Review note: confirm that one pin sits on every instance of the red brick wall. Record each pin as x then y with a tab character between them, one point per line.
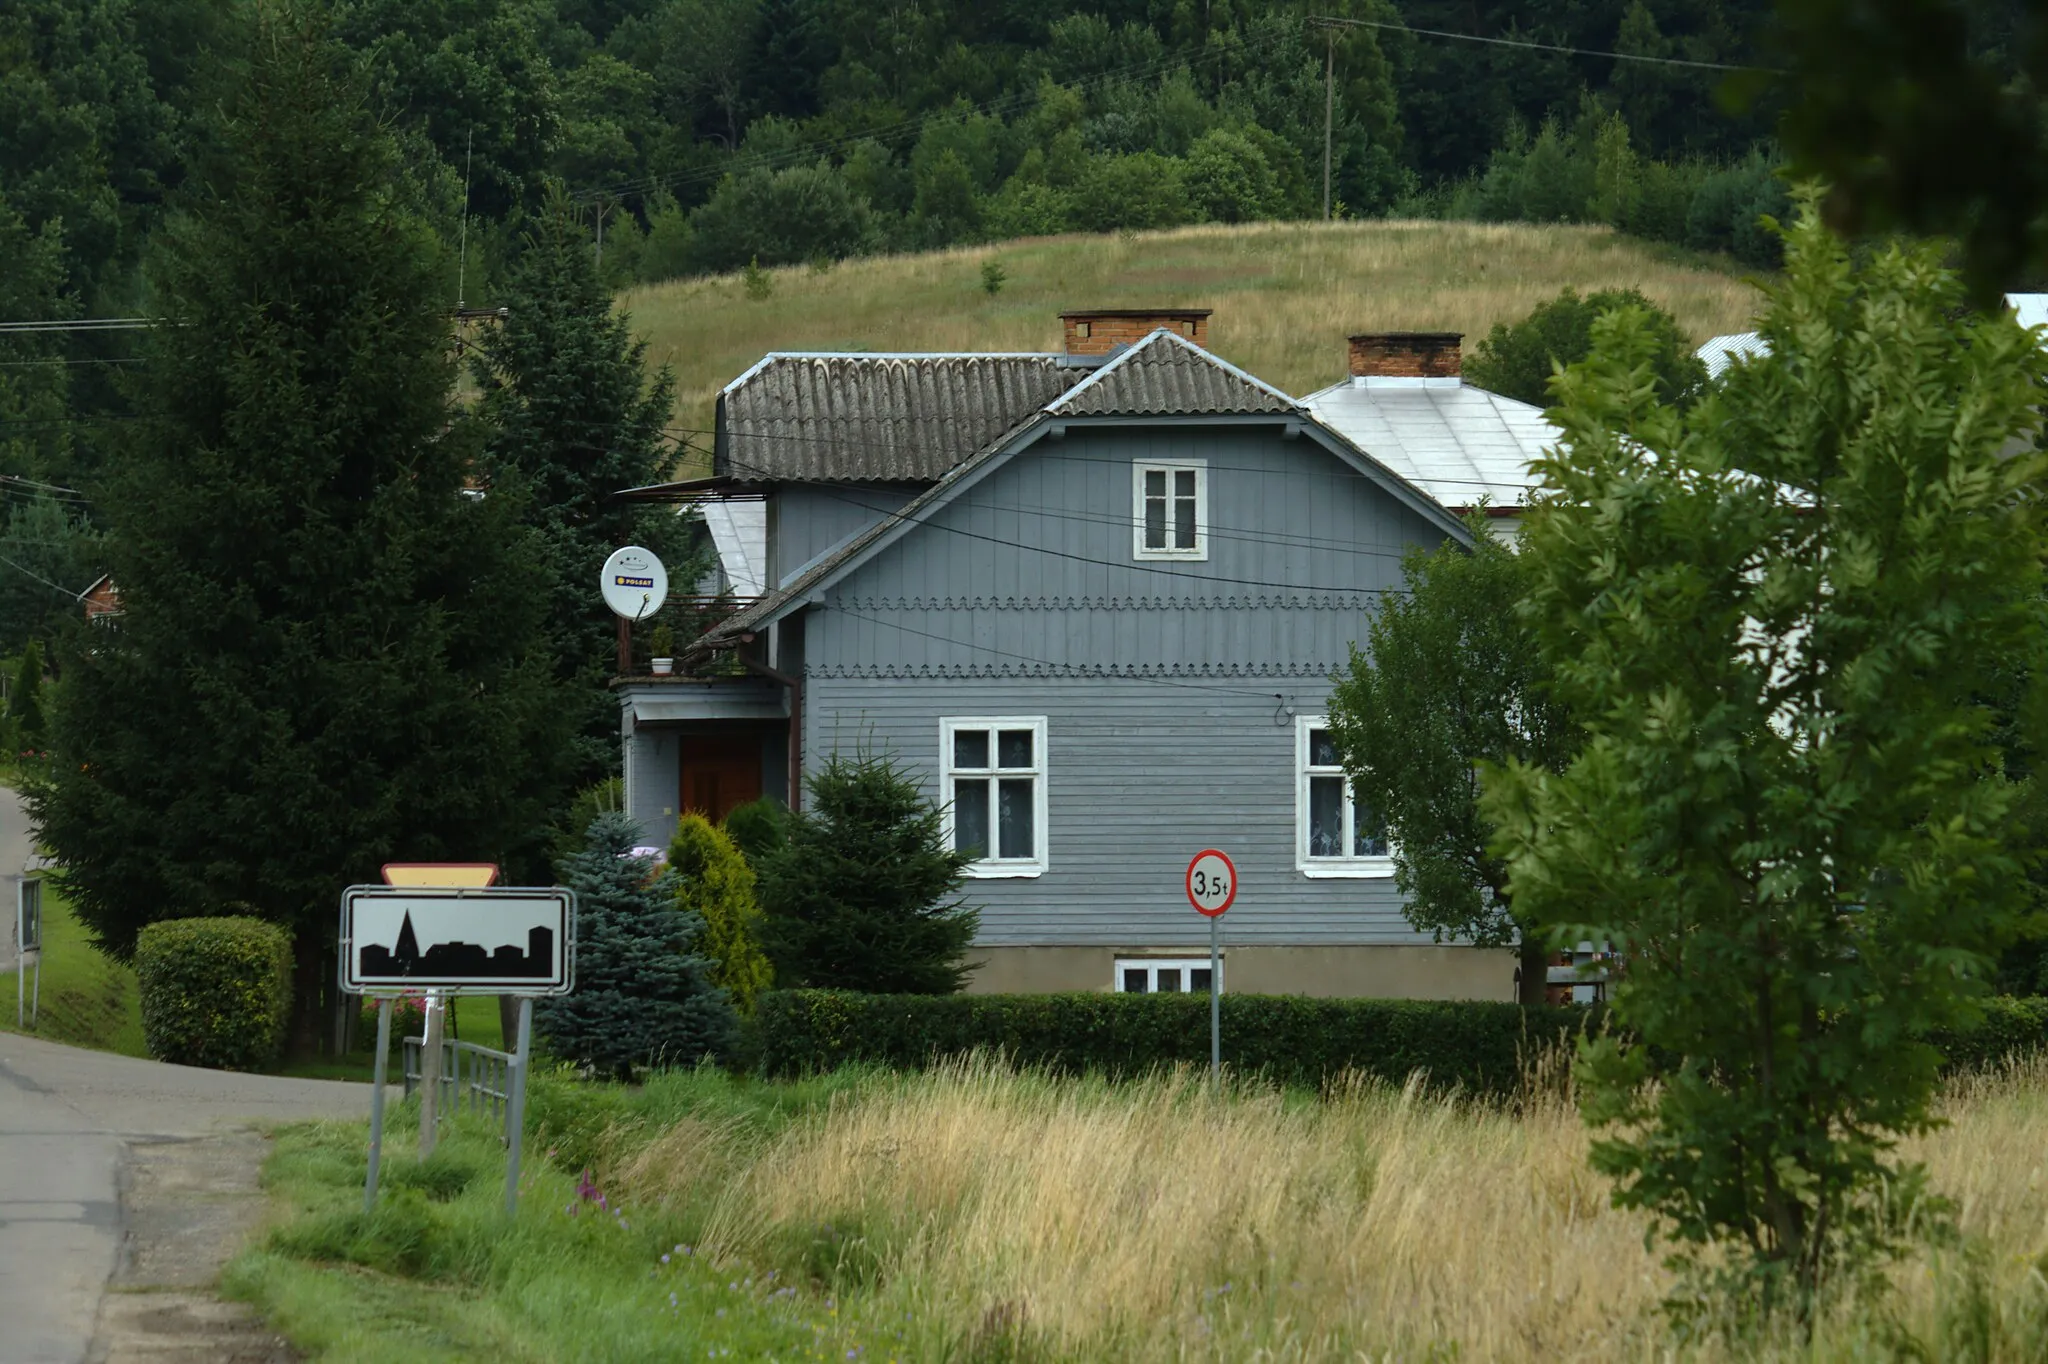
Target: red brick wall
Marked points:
1411	355
1100	333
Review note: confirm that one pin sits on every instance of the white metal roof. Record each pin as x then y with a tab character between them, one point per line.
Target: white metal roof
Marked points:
1719	352
1455	442
2032	308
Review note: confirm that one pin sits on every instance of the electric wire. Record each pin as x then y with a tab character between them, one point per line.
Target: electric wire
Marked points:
1048	663
1333	21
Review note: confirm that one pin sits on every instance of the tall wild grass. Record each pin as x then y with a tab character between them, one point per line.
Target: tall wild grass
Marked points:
1004	1215
1285	295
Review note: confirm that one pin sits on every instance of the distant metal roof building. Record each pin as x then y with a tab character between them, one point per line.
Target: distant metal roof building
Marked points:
2032	309
854	418
1719	352
1457	443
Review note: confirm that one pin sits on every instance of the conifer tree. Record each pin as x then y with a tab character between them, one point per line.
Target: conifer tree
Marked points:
714	881
643	997
575	417
325	657
861	896
25	699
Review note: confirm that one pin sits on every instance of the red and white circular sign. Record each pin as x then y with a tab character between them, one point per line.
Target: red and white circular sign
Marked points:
1212	882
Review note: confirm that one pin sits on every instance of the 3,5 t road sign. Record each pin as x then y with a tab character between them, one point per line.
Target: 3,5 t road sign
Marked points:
1212	882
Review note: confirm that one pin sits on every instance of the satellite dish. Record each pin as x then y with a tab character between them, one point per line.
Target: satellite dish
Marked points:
634	583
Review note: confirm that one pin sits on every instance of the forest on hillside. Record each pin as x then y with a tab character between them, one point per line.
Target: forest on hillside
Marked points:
706	134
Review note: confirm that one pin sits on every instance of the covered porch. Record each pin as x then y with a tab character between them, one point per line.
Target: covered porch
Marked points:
706	744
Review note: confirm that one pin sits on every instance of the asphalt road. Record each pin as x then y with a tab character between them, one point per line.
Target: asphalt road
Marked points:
68	1118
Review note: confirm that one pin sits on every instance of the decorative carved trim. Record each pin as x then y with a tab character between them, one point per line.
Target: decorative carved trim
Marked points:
1104	671
1319	601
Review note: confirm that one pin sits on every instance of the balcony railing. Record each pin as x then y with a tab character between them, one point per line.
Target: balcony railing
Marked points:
688	618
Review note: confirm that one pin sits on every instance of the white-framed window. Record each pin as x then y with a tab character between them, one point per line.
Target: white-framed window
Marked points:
1170	509
1335	833
994	792
1162	975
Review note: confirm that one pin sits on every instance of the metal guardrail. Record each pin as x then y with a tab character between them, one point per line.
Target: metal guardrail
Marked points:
469	1072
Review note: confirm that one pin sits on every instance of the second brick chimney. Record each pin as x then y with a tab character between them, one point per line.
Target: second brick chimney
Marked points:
1098	331
1407	355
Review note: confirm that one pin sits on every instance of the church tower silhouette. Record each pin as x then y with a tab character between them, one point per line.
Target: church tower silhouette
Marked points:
408	949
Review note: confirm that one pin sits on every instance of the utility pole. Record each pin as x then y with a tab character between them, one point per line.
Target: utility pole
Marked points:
1329	107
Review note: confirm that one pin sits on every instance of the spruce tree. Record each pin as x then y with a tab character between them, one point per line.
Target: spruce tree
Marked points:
861	896
574	417
326	656
643	996
25	698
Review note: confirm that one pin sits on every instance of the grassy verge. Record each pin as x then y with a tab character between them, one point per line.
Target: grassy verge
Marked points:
88	998
973	1214
91	1000
439	1273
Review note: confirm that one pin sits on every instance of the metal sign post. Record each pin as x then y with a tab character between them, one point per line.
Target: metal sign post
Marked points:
1212	886
28	945
456	940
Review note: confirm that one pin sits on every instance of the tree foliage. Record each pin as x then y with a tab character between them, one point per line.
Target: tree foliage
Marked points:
714	882
1451	677
1775	615
862	894
573	415
1517	361
328	658
644	994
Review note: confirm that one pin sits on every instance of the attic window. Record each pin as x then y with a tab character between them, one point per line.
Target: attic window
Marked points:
1170	509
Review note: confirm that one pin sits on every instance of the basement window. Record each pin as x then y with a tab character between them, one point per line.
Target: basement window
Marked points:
1170	509
1162	975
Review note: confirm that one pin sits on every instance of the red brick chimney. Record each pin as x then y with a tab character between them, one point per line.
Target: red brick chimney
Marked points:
1406	355
1098	331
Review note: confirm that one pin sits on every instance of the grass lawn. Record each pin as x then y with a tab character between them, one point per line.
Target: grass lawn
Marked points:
974	1214
88	999
1285	295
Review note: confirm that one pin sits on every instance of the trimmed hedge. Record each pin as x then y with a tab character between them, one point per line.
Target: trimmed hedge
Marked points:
1474	1045
215	992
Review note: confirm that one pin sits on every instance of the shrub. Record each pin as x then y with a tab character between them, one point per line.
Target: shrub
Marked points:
1228	179
1478	1046
644	997
1516	361
781	217
714	881
1130	193
861	896
1475	1045
758	828
215	992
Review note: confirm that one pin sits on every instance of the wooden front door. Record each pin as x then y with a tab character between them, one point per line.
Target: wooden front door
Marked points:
719	771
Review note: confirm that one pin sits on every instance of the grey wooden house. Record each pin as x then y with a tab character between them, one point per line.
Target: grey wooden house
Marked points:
1093	598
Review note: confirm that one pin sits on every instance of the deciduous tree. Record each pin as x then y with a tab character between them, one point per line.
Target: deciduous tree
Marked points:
1451	678
1777	615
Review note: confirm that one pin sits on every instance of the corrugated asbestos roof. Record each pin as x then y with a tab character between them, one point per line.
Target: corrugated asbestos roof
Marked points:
1455	442
1168	375
876	418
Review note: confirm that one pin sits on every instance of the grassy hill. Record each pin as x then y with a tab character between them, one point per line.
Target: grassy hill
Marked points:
1285	294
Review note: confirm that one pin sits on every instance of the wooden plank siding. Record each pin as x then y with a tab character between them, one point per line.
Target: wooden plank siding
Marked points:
1169	687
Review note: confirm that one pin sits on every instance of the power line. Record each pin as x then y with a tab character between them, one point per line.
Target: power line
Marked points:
1180	574
22	364
75	596
1048	663
1334	21
86	324
1079	459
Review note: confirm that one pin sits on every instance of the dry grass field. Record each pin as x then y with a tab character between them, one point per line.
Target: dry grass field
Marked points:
1285	295
1005	1216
